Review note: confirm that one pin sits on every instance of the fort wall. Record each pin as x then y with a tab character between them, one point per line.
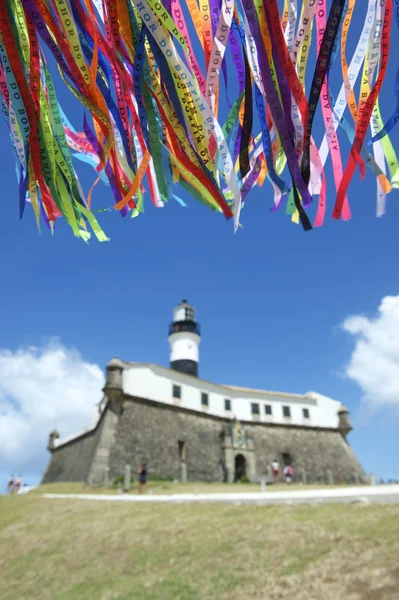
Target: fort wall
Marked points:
137	430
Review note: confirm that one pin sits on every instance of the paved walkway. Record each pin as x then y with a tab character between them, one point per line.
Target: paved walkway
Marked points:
365	494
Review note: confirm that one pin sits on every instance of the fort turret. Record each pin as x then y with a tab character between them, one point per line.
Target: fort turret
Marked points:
344	423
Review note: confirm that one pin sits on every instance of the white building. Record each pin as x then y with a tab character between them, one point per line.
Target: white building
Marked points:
185	426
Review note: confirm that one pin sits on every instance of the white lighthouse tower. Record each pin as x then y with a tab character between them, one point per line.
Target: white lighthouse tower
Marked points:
184	339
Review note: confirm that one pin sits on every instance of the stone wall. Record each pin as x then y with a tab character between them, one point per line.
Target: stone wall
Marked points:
149	432
145	431
72	461
105	444
313	450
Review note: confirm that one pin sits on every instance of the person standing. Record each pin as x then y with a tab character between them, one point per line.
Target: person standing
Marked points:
18	482
276	469
288	472
11	484
142	478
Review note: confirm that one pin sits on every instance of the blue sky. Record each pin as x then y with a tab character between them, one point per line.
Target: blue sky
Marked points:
270	298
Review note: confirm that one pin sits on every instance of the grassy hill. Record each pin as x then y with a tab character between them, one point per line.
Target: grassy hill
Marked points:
72	550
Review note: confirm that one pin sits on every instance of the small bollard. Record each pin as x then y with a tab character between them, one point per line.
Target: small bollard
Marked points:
303	476
119	490
106	477
330	477
183	472
150	491
196	491
372	479
262	486
127	478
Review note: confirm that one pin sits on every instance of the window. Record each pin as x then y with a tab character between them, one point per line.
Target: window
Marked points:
286	411
190	314
204	399
255	408
268	409
176	391
227	404
306	413
182	450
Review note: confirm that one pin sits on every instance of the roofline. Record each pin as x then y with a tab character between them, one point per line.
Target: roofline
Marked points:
72	438
237	388
227	388
84	432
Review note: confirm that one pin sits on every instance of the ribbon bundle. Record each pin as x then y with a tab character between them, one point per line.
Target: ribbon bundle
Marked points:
158	78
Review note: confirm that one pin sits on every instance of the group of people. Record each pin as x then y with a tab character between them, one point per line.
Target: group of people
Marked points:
14	484
287	471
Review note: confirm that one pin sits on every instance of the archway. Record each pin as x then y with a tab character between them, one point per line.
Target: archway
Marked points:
287	460
240	467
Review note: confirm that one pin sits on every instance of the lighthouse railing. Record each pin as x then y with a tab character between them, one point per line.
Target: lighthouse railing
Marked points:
179	326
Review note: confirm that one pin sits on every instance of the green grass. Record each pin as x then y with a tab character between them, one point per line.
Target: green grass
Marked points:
75	550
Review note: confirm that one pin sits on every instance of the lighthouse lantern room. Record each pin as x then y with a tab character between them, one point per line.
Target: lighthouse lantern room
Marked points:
184	339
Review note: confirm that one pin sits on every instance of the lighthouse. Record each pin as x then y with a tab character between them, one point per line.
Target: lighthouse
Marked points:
184	339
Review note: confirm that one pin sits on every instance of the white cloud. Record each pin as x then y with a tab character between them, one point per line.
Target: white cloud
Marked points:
42	389
374	364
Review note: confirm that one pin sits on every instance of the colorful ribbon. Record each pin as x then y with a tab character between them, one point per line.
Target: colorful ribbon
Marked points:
216	96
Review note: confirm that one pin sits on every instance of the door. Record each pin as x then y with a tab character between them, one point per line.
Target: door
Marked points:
240	467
